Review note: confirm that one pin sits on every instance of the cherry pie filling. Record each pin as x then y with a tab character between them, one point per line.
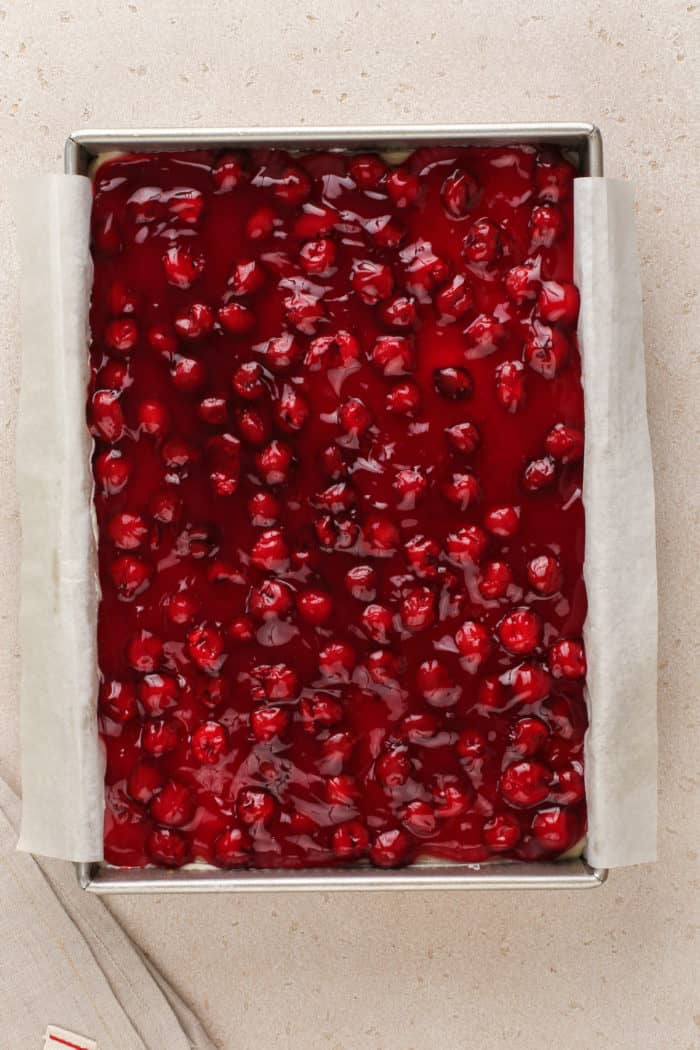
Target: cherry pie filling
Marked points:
338	428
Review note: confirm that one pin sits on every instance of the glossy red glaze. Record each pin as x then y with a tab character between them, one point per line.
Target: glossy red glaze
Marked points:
314	514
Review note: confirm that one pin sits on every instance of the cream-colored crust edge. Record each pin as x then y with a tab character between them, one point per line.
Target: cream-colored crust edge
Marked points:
393	157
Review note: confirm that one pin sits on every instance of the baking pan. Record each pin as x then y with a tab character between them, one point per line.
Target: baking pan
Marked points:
583	144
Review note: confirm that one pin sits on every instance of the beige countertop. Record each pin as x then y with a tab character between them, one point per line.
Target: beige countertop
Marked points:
616	967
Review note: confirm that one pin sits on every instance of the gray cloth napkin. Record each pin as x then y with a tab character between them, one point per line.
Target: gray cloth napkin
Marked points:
64	960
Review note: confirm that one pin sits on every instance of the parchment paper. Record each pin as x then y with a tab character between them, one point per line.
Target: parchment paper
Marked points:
62	766
620	554
62	769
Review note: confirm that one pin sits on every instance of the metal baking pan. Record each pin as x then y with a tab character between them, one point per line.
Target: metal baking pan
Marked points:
583	144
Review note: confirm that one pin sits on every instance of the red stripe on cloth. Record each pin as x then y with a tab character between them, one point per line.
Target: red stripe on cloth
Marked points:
64	1042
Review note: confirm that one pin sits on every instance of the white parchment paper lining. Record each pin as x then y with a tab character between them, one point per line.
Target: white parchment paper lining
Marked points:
62	765
620	553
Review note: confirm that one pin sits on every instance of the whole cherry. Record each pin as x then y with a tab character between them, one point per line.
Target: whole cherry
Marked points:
232	848
554	829
144	651
144	781
160	736
567	659
205	646
255	806
544	574
269	722
174	805
393	767
564	443
495	579
529	735
558	303
167	848
526	783
482	243
419	818
389	848
209	742
350	840
473	641
501	832
458	192
520	631
118	700
502	521
158	694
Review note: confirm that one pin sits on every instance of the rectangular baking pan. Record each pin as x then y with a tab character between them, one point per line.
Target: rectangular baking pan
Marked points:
584	145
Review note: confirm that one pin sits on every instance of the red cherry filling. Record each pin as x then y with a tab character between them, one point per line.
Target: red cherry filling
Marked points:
144	782
121	336
107	416
209	743
158	694
269	722
502	521
547	225
567	659
118	701
539	474
521	283
473	641
495	579
360	582
232	848
555	829
530	683
160	737
510	385
205	646
544	574
546	351
520	631
402	186
314	606
367	170
144	651
471	744
529	736
554	177
564	443
452	798
389	848
463	437
338	462
569	788
419	818
393	768
483	242
372	281
167	848
558	303
182	266
173	805
453	383
111	471
525	784
350	840
502	832
458	193
255	806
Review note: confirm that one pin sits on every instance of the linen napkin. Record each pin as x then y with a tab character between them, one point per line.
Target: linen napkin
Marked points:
67	962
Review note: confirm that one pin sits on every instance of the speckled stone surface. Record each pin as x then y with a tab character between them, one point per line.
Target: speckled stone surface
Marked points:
614	967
